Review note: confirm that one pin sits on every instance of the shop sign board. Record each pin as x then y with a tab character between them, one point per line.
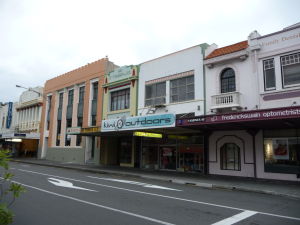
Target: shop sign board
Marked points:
90	130
147	134
9	115
138	122
119	74
281	113
73	130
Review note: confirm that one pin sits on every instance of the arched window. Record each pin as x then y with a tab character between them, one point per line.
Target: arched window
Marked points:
227	80
230	157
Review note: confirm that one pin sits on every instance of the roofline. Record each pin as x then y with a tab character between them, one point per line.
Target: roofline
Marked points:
278	32
199	45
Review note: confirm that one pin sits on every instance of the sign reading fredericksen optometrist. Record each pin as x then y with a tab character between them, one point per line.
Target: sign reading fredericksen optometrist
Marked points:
138	122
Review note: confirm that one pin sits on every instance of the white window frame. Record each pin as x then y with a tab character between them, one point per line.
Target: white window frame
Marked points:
296	60
267	66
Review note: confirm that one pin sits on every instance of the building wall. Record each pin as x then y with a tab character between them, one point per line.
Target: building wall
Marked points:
71	80
243	140
174	63
273	46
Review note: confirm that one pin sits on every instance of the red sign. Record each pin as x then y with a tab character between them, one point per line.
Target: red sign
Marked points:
289	112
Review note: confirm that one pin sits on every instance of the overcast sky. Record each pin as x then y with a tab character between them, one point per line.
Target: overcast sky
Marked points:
41	39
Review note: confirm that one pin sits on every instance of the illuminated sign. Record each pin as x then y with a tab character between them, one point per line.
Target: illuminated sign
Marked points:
180	137
146	134
90	130
138	122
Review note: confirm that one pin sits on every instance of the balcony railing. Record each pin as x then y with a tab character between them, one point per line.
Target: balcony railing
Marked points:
226	100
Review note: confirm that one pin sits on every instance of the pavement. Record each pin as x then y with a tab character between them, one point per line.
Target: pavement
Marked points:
272	187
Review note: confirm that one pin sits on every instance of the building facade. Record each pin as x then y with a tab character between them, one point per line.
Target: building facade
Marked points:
253	112
72	114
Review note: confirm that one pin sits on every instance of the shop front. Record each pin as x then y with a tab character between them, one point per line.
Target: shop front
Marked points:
259	143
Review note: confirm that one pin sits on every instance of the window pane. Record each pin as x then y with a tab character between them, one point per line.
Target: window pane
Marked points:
161	89
270	78
291	74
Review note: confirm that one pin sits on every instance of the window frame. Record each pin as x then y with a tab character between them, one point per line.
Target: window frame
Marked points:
118	96
227	78
282	71
155	97
265	78
179	86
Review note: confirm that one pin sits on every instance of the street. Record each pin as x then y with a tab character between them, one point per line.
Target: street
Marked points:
69	197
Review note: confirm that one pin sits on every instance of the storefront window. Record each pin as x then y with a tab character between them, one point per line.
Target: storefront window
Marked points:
282	154
126	151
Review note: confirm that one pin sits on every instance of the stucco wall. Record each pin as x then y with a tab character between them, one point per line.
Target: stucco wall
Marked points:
60	154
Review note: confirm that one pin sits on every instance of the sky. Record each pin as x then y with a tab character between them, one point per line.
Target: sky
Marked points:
41	39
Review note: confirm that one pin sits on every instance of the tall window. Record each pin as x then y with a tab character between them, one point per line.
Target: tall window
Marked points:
227	80
155	94
269	74
182	89
291	69
230	157
94	104
58	132
120	99
48	112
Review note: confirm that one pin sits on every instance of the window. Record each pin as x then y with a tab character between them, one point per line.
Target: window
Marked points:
269	74
182	89
230	157
68	137
94	104
120	99
58	132
48	112
291	69
70	97
81	94
227	81
155	94
282	151
95	90
61	98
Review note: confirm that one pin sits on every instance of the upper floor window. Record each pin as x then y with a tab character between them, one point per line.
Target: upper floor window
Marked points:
291	69
81	94
227	80
95	90
120	99
70	97
155	94
269	74
182	89
61	98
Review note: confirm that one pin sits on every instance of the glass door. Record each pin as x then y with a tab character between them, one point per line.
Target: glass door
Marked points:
167	157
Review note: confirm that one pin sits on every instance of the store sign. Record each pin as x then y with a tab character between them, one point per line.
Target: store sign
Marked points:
73	130
119	74
139	122
90	130
9	115
289	112
146	134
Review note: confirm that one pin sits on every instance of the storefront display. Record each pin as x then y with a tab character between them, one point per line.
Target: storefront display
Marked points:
282	151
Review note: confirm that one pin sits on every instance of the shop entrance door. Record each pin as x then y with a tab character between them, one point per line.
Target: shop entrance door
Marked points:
167	157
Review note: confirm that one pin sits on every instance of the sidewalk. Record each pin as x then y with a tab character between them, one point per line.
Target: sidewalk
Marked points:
273	187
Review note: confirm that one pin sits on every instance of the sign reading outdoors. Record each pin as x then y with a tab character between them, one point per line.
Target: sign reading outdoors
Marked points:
138	122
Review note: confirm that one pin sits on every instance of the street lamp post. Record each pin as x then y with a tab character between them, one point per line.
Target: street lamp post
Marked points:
29	89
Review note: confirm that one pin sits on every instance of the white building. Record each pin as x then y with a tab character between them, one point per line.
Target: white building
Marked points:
253	107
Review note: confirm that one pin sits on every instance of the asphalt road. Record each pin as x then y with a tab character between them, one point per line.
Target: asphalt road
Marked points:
68	197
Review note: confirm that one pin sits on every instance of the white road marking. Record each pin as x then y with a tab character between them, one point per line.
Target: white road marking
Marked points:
98	205
165	196
236	218
67	184
136	183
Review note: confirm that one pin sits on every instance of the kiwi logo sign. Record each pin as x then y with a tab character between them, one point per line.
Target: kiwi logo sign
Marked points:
139	122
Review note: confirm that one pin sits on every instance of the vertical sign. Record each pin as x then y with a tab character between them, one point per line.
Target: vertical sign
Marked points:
9	115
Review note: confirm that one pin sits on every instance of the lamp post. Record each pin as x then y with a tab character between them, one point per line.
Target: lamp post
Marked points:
29	89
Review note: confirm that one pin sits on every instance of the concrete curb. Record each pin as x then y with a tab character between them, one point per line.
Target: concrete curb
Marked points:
176	181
